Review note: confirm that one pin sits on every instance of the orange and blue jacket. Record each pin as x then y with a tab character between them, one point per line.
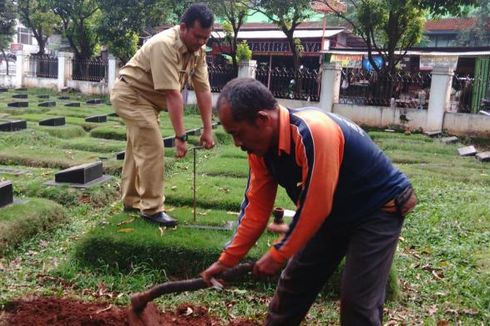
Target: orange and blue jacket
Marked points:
331	170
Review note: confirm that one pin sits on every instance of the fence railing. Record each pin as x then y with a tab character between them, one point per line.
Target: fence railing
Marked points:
408	90
44	66
220	75
93	70
303	84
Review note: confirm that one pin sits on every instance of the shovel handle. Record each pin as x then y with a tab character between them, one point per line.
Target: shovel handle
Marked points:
140	300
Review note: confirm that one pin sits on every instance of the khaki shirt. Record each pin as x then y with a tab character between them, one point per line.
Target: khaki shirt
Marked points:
164	63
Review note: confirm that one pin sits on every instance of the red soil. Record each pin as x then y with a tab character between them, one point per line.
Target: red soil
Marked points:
57	312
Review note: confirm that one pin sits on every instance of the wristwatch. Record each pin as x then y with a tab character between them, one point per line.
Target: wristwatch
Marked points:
182	138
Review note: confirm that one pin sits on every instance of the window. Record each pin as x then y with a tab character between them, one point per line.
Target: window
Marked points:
24	36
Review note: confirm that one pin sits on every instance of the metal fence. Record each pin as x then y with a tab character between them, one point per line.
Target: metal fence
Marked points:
403	89
219	75
94	70
44	66
303	84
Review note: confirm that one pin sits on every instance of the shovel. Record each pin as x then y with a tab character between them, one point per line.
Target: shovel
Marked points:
141	315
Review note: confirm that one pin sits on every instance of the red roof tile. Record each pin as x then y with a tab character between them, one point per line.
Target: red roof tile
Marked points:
449	24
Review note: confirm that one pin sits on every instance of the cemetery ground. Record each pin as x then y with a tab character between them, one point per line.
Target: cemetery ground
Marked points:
73	253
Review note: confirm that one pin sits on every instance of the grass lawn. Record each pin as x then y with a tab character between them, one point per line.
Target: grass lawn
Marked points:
442	262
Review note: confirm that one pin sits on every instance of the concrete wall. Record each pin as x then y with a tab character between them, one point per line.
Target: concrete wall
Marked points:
86	87
36	82
7	81
464	124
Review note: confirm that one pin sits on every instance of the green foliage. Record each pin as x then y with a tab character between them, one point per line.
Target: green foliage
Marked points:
79	21
122	22
21	221
38	16
441	7
479	34
7	24
243	52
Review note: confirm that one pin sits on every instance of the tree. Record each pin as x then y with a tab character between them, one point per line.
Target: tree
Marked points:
123	21
78	21
234	12
477	35
390	27
38	16
7	27
287	15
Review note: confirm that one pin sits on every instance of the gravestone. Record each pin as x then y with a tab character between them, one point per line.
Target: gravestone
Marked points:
432	133
169	142
112	114
80	174
43	96
63	97
12	171
96	118
18	104
467	151
53	122
20	96
120	155
3	90
94	101
48	104
6	193
13	125
73	104
483	156
449	140
21	89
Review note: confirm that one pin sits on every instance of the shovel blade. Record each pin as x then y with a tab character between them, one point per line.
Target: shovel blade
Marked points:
150	316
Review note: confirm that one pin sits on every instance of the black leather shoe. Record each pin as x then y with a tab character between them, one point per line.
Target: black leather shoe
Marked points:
160	218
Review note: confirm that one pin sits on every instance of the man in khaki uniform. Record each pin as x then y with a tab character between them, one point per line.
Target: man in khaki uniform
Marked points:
149	83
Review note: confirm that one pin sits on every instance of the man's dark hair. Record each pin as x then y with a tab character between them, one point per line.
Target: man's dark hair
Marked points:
199	12
246	97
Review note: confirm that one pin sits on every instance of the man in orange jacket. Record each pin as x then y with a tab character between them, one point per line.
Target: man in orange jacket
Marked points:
350	202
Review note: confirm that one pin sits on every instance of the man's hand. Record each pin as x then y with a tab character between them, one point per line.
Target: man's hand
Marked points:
266	266
215	269
207	140
180	148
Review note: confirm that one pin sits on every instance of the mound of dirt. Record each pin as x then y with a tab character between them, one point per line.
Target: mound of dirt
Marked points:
57	312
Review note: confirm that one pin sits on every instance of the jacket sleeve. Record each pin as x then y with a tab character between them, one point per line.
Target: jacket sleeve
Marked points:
319	151
254	213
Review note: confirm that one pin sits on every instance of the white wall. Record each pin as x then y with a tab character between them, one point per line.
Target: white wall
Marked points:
86	87
464	124
36	82
7	81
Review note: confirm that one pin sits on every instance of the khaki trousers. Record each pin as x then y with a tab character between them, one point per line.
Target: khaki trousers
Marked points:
142	174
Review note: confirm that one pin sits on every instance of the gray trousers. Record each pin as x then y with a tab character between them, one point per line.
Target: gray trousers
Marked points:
368	248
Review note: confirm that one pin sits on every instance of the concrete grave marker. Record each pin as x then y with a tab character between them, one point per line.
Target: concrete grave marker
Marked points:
94	101
6	193
63	97
81	176
12	171
48	104
43	96
449	140
53	122
3	90
13	125
483	156
467	151
21	89
169	142
18	104
20	96
120	155
112	114
432	133
73	104
96	118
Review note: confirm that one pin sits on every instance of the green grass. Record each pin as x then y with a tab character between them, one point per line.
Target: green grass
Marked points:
442	262
21	221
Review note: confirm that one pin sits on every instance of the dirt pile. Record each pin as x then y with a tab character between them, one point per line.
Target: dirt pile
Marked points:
57	312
